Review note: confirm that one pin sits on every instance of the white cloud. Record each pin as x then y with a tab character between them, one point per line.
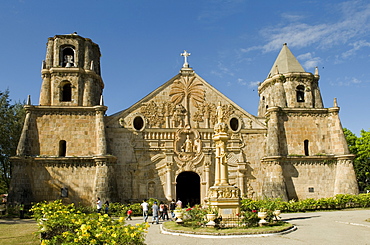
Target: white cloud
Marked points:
241	82
356	46
309	61
347	81
254	83
353	22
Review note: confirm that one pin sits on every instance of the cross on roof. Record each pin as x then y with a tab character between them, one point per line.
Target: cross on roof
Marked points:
186	55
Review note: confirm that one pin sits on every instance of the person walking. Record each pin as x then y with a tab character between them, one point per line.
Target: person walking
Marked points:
129	212
165	212
98	205
106	207
145	207
172	208
155	210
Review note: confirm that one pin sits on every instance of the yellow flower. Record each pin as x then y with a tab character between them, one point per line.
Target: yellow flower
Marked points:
121	219
114	235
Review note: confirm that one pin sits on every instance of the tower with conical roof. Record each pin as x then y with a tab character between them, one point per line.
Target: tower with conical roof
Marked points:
288	85
303	137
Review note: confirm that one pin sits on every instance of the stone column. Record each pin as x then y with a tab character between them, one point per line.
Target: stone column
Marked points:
273	182
45	94
272	143
101	145
22	144
101	179
345	177
169	181
338	141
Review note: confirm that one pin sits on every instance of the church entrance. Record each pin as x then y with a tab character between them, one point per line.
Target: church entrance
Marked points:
188	188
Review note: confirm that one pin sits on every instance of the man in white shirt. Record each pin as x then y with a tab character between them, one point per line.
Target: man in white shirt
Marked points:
145	207
98	204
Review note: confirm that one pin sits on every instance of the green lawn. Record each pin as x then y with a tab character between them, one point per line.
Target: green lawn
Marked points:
18	231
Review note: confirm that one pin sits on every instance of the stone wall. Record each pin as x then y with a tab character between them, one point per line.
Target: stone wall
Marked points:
49	127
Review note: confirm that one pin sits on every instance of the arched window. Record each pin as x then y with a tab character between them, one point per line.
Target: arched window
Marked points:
300	93
306	151
62	148
66	92
67	56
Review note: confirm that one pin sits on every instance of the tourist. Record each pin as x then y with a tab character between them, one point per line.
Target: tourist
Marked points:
179	203
155	210
172	208
145	207
98	205
165	212
161	205
129	212
106	207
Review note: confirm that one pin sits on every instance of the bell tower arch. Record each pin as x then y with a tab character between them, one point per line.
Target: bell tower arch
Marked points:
71	72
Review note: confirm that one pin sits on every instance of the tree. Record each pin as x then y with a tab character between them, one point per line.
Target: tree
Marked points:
11	123
361	147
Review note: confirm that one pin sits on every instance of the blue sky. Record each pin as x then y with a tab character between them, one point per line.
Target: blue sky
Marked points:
233	44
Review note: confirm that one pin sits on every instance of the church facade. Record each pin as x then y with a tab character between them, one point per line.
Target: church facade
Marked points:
162	146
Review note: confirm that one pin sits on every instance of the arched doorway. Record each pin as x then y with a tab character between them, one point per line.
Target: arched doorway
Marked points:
188	188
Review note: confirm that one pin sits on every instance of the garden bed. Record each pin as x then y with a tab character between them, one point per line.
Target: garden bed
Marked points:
173	227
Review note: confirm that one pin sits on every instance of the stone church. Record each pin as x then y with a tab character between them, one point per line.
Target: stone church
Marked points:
162	146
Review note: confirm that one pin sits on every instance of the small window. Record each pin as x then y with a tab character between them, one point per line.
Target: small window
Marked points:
300	93
306	152
234	124
64	192
66	92
138	123
311	189
62	148
68	56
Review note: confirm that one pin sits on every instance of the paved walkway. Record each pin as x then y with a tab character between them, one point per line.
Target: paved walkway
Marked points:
337	227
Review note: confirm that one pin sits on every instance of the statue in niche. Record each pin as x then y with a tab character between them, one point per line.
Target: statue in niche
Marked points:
219	113
151	188
188	145
178	116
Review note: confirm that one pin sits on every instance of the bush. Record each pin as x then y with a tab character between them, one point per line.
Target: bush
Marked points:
64	224
340	201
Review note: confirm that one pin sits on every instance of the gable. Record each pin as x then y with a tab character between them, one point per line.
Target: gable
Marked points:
186	99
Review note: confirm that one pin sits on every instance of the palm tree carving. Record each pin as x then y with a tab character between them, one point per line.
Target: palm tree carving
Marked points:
187	89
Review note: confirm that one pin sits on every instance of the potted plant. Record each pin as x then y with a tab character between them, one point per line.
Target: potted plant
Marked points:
179	215
211	216
262	214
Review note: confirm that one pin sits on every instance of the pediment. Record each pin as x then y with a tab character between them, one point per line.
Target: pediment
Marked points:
185	100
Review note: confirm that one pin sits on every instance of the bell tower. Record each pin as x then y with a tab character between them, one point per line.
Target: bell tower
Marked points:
71	72
288	85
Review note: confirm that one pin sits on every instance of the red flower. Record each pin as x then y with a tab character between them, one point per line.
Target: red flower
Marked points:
254	211
188	209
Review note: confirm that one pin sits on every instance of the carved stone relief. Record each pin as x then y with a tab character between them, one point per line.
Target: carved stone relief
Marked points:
187	148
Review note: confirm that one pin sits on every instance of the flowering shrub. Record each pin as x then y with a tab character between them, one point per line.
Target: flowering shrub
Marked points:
64	224
250	218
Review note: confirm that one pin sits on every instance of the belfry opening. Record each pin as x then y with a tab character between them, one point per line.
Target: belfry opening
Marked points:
188	188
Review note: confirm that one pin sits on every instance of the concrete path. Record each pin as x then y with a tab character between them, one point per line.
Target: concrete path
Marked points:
335	227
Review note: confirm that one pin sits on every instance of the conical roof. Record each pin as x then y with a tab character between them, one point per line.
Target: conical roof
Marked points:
286	62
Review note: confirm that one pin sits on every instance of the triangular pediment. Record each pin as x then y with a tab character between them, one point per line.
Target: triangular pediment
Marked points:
186	99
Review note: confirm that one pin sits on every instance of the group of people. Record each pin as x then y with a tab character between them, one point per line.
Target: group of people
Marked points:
99	205
161	211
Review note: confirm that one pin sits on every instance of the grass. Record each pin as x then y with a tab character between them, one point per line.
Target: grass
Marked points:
16	231
173	226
